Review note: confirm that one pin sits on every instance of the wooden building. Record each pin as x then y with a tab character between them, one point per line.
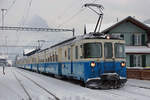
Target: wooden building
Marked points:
137	36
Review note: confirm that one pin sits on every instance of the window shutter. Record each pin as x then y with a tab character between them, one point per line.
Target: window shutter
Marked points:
143	60
131	61
143	39
133	39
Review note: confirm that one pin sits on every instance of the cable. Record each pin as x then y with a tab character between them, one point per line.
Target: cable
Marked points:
24	18
72	17
28	11
9	8
66	9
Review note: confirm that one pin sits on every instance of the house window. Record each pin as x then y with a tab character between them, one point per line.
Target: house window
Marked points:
137	61
137	39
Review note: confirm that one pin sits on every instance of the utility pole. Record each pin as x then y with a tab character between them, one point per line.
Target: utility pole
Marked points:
40	43
3	12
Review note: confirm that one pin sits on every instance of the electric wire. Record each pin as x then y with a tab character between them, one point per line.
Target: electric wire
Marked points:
10	7
28	11
67	10
75	15
24	18
71	18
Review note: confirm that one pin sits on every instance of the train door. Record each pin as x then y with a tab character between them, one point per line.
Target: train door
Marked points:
71	59
109	60
60	61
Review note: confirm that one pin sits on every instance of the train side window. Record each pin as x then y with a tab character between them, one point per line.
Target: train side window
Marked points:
50	58
65	53
53	58
76	52
82	52
69	53
56	57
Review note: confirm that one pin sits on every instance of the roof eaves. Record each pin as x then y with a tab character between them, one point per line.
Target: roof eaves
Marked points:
131	19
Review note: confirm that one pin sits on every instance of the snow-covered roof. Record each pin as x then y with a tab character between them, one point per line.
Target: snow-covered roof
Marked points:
105	27
3	56
130	19
137	49
148	25
26	51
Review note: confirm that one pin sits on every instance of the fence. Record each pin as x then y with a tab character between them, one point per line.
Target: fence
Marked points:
136	73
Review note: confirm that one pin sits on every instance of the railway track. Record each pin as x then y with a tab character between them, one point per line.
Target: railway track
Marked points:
26	92
119	92
29	97
112	93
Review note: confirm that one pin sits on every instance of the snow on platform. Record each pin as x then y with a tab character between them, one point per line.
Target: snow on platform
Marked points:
10	88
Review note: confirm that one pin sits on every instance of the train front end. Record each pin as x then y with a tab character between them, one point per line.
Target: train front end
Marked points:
105	65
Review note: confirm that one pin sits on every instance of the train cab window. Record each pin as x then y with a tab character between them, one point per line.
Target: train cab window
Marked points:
69	53
92	50
76	52
119	50
108	50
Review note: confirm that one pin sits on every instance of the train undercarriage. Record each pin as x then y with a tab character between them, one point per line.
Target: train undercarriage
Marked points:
106	81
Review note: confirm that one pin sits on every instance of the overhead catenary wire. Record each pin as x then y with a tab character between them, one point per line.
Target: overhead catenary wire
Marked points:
66	11
76	14
71	18
28	11
24	18
10	7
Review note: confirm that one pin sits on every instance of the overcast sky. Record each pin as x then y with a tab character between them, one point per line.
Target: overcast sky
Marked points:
66	13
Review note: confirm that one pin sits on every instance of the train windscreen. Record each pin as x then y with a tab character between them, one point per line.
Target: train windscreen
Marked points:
108	50
119	50
92	50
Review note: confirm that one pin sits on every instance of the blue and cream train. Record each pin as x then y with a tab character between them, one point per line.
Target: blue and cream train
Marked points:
97	60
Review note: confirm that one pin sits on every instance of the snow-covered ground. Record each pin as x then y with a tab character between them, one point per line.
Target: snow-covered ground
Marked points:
15	85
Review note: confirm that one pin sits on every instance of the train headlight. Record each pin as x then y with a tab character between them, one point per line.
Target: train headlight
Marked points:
123	64
107	37
93	64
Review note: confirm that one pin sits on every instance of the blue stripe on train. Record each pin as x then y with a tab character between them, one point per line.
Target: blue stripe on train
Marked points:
79	70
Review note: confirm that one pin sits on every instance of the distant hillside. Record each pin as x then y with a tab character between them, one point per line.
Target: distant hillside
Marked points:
35	21
147	21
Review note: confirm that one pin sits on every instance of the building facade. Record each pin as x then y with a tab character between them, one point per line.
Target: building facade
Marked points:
137	36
